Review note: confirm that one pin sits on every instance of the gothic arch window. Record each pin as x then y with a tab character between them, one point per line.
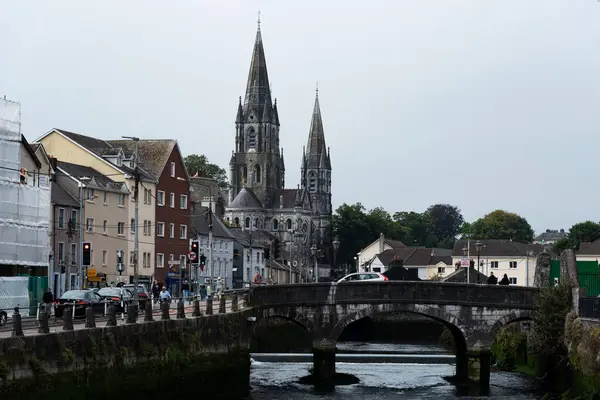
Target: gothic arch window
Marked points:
275	224
247	222
312	181
288	224
257	223
252	138
244	174
256	173
236	222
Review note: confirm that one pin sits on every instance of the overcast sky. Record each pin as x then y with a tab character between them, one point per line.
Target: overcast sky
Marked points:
481	104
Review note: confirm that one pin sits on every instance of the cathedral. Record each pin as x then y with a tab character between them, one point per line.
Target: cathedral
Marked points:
258	200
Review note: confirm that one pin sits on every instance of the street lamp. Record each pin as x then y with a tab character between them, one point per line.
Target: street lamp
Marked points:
313	251
336	247
478	247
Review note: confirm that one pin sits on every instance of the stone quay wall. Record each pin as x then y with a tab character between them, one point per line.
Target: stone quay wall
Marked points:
166	358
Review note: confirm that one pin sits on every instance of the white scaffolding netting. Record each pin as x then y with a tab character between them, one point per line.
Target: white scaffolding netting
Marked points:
24	208
14	293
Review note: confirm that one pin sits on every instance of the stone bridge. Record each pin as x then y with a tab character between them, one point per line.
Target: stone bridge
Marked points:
473	313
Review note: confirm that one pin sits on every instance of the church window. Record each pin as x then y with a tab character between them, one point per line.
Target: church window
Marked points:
252	138
244	174
257	223
312	181
275	224
247	222
289	224
236	222
257	173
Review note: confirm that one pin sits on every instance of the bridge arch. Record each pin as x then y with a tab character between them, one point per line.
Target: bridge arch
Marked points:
454	324
514	316
286	313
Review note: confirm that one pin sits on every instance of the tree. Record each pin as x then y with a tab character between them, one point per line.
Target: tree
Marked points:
421	230
587	231
500	224
351	225
195	163
446	221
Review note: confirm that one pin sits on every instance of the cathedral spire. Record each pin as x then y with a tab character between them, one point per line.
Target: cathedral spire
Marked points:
316	136
258	91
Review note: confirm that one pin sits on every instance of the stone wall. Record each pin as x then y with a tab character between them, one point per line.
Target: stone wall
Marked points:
149	357
542	270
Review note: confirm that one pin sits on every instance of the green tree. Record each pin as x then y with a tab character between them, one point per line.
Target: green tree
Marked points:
199	164
499	224
587	231
351	225
446	221
420	228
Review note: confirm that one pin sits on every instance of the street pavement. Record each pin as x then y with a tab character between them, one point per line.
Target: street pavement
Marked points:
30	329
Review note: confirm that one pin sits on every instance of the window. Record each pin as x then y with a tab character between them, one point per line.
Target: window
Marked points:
247	222
275	224
131	258
441	270
104	227
73	218
61	218
183	202
61	252
172	170
172	200
73	253
513	280
149	202
183	232
160	198
160	229
121	228
251	138
145	196
494	264
258	257
121	200
236	222
171	231
256	173
257	223
182	261
289	224
312	181
89	194
225	246
160	260
89	224
171	257
105	198
104	258
512	264
133	226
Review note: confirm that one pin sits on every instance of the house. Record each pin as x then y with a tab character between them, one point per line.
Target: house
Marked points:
117	163
222	249
516	260
162	160
588	251
254	243
550	237
377	247
99	216
460	276
428	262
25	215
206	193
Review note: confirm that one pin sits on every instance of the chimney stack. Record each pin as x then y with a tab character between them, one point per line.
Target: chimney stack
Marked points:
381	243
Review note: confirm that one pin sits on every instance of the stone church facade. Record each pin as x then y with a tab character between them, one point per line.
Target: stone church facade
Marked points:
258	200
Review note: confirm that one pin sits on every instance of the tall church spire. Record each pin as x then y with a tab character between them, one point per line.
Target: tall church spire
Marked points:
258	91
316	147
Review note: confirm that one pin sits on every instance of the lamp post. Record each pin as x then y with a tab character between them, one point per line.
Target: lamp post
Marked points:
313	251
336	247
466	253
478	247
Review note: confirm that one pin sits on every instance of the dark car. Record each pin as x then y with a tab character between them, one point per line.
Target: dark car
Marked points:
118	297
81	300
142	293
3	317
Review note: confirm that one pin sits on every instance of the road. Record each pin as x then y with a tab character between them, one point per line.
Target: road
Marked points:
30	325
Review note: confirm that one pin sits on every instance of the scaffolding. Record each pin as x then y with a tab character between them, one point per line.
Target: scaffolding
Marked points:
24	205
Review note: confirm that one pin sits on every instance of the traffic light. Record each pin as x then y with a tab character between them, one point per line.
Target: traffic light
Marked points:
87	254
202	259
195	247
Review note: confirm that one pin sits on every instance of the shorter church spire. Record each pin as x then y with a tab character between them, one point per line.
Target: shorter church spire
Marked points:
316	136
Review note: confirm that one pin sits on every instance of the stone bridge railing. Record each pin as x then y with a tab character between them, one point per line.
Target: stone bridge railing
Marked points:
423	292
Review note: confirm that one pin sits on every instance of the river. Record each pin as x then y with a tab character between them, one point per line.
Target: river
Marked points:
278	380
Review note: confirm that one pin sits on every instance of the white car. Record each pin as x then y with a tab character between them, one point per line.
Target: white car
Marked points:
363	276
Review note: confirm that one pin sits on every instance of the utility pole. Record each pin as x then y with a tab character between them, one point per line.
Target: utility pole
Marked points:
210	242
136	173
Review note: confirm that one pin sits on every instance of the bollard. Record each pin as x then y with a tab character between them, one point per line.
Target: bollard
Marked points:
222	305
165	311
17	324
209	304
196	312
180	309
245	300
148	312
43	317
90	318
132	313
68	318
112	317
234	303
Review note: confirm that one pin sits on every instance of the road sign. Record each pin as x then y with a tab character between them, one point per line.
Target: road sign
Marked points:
465	262
91	271
192	256
173	262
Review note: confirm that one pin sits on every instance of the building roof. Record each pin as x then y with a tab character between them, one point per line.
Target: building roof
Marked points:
245	199
258	238
153	154
31	151
497	248
589	249
460	276
551	235
395	244
316	150
61	197
201	219
416	256
97	180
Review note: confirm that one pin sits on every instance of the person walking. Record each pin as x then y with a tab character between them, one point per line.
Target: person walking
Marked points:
202	292
155	291
48	299
185	287
492	280
164	295
505	281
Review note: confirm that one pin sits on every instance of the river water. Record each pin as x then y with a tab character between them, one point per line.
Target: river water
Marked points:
278	380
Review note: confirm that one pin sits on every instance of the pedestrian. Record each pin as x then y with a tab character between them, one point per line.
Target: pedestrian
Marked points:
164	294
185	287
155	291
203	292
48	299
492	280
505	280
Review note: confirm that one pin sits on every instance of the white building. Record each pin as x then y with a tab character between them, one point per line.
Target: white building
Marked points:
516	260
427	262
377	247
255	242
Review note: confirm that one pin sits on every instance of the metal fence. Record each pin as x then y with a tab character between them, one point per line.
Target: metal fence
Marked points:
589	307
591	283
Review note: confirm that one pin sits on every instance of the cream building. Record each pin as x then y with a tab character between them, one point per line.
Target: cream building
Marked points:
377	247
117	164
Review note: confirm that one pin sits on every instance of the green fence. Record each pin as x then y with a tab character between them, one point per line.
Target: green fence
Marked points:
587	272
37	286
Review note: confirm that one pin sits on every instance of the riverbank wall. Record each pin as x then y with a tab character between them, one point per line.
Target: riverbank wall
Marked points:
582	338
169	358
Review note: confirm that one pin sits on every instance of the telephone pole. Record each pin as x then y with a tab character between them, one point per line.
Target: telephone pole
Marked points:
136	173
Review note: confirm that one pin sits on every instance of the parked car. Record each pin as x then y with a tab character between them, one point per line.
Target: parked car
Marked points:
142	293
363	276
81	300
3	318
118	297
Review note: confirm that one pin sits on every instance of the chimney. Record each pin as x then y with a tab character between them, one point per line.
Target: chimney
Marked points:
381	243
